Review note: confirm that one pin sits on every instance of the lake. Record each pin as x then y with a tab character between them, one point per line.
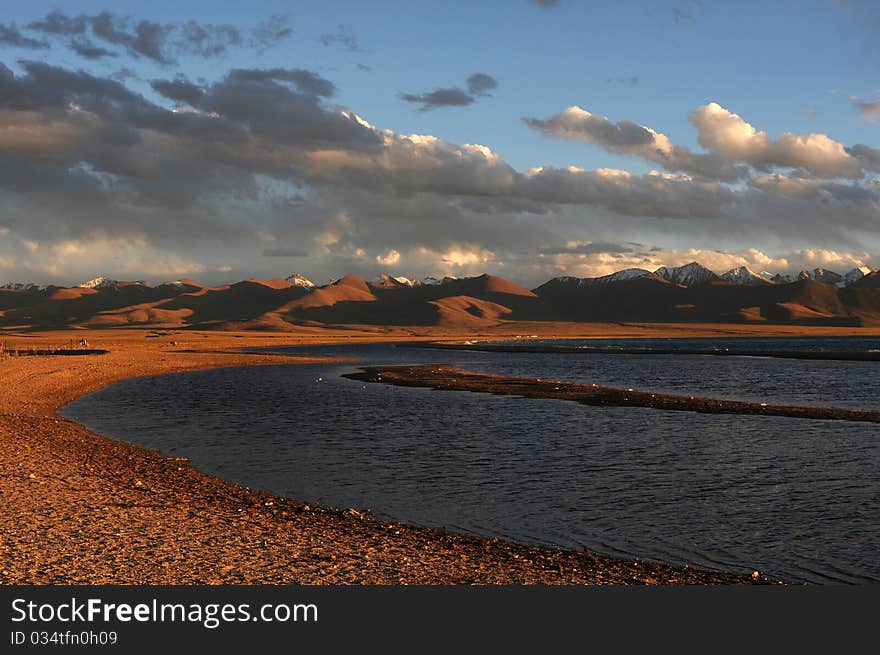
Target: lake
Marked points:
793	498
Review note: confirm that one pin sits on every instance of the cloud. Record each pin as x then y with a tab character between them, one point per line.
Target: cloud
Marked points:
728	135
627	80
206	40
270	32
159	42
89	50
131	257
870	157
547	4
10	36
585	248
869	110
257	152
390	258
448	97
285	252
304	80
179	89
629	138
732	143
478	84
597	263
58	23
342	37
481	84
143	38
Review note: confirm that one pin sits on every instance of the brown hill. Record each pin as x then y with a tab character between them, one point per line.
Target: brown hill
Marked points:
241	301
461	311
479	301
646	299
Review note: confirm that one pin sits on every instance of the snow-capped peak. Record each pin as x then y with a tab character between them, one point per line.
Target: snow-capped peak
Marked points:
626	274
781	278
687	275
821	275
99	282
744	275
300	281
856	274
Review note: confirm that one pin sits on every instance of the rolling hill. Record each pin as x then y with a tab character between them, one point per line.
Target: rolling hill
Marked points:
685	295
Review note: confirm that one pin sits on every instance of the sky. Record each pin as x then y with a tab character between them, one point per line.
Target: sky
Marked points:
524	138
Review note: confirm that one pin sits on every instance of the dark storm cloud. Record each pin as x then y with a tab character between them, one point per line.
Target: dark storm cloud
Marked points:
481	84
10	36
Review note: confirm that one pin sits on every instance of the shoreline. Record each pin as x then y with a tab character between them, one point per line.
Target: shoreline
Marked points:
86	509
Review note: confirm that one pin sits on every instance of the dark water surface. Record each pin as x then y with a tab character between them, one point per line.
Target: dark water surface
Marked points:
793	498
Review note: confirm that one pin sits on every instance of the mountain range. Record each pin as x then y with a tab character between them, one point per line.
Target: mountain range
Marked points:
690	293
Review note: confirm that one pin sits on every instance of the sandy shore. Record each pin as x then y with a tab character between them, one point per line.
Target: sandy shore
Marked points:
83	509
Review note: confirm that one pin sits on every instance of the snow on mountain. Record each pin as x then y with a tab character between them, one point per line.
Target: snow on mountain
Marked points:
856	274
102	282
781	278
821	275
99	282
430	280
744	275
392	282
626	274
688	275
300	281
23	286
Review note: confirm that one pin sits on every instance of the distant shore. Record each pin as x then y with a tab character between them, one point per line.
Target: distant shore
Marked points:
448	378
80	508
525	347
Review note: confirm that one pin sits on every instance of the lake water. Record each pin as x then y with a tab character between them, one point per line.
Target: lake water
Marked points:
792	498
